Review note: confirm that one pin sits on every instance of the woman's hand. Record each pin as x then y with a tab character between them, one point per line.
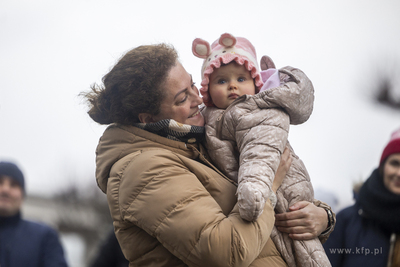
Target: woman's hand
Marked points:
304	221
283	168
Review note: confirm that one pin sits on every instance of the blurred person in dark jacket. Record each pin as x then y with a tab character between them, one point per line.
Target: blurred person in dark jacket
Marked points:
23	243
368	233
110	254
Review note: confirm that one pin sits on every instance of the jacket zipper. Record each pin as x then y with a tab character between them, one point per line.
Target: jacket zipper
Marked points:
221	116
203	158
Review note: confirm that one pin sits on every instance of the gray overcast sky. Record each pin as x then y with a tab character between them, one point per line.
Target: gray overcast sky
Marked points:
50	51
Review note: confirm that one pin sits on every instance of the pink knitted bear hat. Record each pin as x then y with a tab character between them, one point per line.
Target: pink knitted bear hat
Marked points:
223	51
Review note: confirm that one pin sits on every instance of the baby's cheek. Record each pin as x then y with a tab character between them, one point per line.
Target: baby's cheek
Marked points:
217	94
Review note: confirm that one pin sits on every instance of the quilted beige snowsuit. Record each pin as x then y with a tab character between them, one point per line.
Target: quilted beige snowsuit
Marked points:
246	141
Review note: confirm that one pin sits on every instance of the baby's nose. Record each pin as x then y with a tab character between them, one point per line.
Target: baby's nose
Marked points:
233	85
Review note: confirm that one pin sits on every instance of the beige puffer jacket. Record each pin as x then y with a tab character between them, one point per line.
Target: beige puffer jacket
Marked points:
246	141
171	207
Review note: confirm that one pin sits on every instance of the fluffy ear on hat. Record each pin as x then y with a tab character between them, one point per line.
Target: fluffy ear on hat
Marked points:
201	48
227	40
266	63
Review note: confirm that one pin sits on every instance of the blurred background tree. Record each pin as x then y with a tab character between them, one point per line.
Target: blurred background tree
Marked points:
386	84
81	216
386	93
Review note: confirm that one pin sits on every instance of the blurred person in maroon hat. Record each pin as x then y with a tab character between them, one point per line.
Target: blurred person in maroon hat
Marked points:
368	233
22	242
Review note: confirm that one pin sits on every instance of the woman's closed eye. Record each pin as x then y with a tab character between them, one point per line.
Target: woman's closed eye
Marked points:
184	98
186	93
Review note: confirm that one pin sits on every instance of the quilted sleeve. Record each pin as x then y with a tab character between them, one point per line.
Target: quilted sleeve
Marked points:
261	139
159	194
295	95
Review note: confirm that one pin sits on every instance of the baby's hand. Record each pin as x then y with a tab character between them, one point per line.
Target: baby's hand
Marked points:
250	201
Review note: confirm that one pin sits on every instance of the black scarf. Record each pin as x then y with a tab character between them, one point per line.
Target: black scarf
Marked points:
379	203
174	130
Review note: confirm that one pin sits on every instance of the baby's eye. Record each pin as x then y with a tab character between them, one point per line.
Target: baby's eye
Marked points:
241	79
221	81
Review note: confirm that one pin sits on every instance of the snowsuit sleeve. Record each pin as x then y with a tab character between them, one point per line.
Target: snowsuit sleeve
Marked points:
295	95
261	136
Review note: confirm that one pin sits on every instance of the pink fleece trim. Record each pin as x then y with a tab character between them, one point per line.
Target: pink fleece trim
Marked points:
225	59
270	77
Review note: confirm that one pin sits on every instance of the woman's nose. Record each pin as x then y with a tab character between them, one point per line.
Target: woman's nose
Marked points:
196	98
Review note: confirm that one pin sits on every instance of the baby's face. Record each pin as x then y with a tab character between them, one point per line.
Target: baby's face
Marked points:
230	82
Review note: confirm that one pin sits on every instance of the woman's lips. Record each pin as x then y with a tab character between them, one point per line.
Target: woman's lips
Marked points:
195	114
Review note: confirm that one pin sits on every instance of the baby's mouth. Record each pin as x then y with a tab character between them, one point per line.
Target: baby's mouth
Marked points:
233	96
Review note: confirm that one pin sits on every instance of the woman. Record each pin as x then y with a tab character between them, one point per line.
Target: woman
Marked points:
367	233
170	205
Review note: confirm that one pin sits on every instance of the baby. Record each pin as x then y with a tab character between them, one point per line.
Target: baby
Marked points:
247	116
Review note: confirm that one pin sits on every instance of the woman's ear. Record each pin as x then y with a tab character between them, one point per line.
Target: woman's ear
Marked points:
145	118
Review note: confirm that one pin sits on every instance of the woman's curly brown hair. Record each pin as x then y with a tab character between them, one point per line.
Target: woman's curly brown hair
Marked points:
134	85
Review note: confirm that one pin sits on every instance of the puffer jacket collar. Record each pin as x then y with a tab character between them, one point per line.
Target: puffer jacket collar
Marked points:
121	140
